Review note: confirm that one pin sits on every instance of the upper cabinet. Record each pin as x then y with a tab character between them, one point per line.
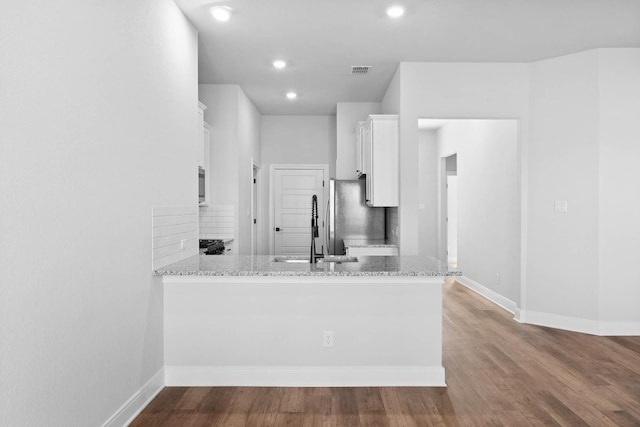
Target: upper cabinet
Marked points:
380	160
204	155
202	138
359	140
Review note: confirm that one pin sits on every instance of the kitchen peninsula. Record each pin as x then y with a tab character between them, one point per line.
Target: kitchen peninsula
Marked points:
251	321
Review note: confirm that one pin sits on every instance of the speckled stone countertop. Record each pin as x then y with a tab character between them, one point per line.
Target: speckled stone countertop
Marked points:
247	265
368	243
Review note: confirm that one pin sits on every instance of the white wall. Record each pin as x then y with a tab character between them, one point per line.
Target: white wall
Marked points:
235	140
249	128
348	114
488	200
97	125
428	193
390	103
222	115
562	263
295	140
447	90
619	154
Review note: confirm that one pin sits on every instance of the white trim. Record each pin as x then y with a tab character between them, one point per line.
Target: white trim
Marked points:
136	403
492	296
523	147
272	168
304	280
585	326
550	320
609	328
305	376
258	209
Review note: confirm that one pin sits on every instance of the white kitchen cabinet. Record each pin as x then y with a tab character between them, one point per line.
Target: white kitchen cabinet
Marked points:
359	140
201	136
204	149
380	152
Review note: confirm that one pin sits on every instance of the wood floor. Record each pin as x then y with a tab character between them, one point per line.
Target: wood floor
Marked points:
498	372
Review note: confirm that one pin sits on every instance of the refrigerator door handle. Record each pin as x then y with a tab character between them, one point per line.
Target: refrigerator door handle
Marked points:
327	226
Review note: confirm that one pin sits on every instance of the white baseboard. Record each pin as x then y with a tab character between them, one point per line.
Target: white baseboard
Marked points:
127	412
492	296
609	329
585	326
305	376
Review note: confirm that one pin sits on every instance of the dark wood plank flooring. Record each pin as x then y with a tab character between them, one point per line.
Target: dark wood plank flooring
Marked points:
499	373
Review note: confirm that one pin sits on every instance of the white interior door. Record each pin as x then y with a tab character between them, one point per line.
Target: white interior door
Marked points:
292	194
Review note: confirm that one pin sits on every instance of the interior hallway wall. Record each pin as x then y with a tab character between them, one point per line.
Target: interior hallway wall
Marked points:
488	199
428	203
98	118
562	264
619	158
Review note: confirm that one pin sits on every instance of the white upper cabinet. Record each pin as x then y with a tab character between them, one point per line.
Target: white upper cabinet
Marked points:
359	140
380	160
202	141
204	151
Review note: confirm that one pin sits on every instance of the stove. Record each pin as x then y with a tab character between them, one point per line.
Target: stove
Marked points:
211	246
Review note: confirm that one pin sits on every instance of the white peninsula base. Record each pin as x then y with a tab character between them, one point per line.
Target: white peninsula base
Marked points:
269	330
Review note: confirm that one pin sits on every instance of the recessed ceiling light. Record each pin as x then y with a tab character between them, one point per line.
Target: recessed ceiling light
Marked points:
292	95
395	11
221	13
279	64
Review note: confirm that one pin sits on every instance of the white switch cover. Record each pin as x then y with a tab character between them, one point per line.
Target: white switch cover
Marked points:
421	206
560	206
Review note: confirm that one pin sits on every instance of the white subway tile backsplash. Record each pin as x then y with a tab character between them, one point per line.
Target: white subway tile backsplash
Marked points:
217	222
171	225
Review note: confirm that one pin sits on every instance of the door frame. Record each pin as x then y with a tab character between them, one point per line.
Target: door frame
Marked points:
272	169
256	170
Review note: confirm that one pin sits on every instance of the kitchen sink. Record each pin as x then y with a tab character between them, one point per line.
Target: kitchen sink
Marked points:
291	258
338	258
304	259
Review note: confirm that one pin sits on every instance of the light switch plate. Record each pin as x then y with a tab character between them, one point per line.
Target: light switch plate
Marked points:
560	206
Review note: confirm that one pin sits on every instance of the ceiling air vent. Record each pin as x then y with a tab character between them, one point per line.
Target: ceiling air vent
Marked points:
360	69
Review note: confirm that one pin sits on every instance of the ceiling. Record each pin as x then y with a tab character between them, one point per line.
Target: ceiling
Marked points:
322	39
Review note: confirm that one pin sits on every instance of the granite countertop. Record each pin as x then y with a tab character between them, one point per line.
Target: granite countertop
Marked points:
368	243
262	265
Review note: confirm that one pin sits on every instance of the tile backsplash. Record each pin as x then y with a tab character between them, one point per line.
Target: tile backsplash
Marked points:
217	222
174	234
392	225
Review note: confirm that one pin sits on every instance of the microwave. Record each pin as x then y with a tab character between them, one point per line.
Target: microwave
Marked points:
201	185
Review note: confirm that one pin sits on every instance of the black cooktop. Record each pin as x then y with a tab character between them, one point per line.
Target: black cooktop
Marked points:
212	246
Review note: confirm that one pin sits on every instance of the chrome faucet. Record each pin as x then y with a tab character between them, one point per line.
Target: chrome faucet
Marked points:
314	256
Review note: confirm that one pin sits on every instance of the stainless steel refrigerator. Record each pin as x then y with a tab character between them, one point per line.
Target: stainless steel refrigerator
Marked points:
349	217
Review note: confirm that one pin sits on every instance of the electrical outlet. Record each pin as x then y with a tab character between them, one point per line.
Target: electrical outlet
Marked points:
498	278
327	340
183	243
560	206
